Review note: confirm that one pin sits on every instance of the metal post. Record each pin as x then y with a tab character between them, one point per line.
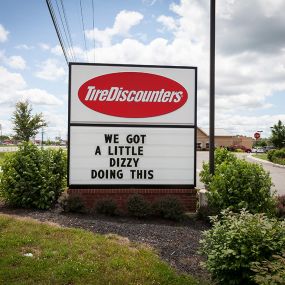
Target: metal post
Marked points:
212	87
42	138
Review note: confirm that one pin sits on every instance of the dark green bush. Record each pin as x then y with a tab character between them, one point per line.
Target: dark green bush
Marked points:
221	155
106	207
32	177
138	207
281	206
240	184
270	154
205	212
72	204
270	272
236	240
277	156
169	208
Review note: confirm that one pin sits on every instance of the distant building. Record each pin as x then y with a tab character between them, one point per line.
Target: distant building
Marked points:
222	139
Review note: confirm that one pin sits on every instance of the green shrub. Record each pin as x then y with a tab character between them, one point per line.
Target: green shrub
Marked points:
138	207
270	154
270	272
72	204
281	206
205	212
169	208
240	184
236	240
32	177
277	156
106	207
221	155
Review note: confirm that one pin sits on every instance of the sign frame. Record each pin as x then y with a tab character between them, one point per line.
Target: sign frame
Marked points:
133	186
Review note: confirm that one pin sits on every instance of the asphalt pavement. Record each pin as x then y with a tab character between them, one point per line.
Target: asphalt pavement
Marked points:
277	173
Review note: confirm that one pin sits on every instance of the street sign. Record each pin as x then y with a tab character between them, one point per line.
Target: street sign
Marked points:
256	135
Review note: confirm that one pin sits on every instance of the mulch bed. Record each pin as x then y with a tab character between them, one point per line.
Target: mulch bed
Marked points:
176	243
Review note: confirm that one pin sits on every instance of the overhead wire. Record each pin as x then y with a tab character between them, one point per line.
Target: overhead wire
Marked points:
83	29
69	50
53	17
68	30
93	27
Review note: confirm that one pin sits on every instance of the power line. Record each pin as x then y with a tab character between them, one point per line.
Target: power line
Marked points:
93	28
64	30
52	14
83	29
68	30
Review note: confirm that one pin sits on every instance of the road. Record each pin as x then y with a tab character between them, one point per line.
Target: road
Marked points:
277	174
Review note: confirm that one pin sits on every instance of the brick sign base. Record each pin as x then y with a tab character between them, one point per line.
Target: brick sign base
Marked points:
187	197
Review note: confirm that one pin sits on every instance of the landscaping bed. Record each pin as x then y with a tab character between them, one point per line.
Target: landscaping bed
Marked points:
176	243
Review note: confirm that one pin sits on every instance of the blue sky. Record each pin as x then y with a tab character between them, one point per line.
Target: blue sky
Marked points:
250	85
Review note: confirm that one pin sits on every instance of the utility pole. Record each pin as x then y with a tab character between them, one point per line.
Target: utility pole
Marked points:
212	87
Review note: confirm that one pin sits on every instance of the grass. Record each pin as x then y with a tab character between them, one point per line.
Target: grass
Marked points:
261	156
74	256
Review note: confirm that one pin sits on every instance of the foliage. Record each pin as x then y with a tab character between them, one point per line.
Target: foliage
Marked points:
33	178
236	240
75	256
281	206
241	184
106	207
25	124
72	204
221	155
277	156
205	212
270	272
270	154
260	142
169	208
138	207
278	135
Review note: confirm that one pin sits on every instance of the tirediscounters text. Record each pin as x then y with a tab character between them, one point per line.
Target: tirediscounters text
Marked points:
125	156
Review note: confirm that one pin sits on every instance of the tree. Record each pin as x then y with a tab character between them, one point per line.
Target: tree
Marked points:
278	135
26	125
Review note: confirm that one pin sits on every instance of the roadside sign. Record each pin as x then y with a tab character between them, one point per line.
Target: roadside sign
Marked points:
256	135
132	125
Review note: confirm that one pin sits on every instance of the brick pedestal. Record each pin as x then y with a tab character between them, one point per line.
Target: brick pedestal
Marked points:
187	197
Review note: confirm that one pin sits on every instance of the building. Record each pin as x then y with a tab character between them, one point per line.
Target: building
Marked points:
222	139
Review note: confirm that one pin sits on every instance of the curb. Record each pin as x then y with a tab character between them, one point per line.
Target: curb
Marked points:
265	161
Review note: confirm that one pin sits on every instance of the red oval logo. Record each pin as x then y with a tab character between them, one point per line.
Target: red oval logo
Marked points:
132	94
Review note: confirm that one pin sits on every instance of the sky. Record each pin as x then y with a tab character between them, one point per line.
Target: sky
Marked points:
250	54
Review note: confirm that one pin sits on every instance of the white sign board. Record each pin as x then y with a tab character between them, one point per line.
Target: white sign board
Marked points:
151	156
142	80
132	125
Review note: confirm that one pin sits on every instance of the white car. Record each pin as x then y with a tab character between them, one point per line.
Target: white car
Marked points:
258	150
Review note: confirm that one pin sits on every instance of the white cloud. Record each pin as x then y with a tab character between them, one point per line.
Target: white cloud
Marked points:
168	22
124	21
3	34
16	62
39	97
44	46
24	47
51	70
57	50
13	88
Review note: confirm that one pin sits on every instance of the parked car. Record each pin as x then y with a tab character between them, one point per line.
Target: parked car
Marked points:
269	147
241	147
258	150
